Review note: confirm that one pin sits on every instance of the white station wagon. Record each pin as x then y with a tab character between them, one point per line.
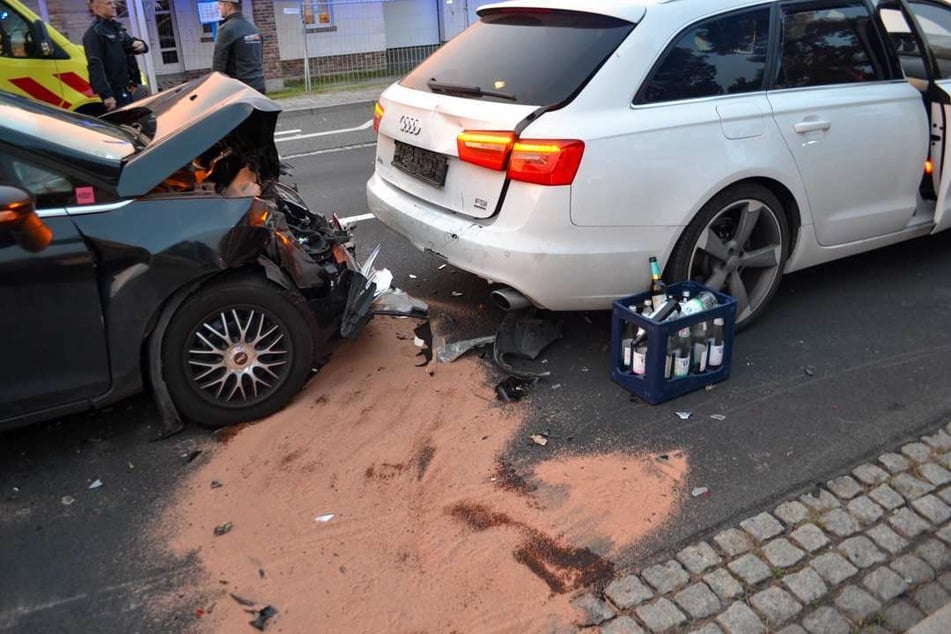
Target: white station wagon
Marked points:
554	146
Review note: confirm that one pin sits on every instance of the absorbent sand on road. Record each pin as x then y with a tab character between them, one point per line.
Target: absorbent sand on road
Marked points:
431	530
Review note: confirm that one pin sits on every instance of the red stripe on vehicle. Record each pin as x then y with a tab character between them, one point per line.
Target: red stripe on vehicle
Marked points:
36	90
76	82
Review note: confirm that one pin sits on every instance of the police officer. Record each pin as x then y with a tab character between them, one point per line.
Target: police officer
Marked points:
110	51
239	48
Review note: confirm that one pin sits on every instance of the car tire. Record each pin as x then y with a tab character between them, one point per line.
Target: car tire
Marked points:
236	351
737	244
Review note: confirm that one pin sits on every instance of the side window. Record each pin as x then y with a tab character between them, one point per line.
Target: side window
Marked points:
828	46
16	38
935	21
49	189
721	56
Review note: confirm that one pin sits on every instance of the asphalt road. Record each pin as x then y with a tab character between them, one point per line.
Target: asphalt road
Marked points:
872	331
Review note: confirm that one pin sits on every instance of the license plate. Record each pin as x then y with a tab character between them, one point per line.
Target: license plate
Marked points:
421	163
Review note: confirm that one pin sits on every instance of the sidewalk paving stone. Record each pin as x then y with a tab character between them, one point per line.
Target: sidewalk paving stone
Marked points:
698	600
723	584
886	538
826	620
935	474
833	567
806	584
945	579
932	509
750	568
931	597
861	551
660	616
888	497
910	486
839	523
945	495
698	558
821	501
591	610
865	510
740	619
665	577
844	487
940	440
945	534
933	552
775	605
902	616
627	592
709	628
762	527
782	554
944	459
907	523
870	474
810	537
792	628
885	583
733	542
857	604
792	512
912	569
894	462
622	625
917	451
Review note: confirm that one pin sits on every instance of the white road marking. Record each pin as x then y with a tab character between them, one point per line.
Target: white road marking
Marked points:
286	132
345	148
363	126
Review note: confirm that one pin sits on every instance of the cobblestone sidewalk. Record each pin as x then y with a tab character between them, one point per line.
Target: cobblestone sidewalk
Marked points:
866	553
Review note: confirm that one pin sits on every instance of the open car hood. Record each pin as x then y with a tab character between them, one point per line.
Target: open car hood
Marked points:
181	123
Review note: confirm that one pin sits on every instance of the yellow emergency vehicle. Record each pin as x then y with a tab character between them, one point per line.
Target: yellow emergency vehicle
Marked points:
39	62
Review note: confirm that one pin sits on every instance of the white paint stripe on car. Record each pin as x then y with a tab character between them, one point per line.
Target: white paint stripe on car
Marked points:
349	220
287	132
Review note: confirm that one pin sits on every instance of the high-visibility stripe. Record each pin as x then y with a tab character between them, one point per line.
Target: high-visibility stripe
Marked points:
36	90
76	82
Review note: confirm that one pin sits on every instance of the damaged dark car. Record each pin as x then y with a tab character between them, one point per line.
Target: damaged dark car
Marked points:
157	247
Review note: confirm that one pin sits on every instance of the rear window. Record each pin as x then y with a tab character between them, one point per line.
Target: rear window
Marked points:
530	57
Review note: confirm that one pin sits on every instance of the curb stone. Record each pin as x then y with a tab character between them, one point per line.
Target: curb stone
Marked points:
879	560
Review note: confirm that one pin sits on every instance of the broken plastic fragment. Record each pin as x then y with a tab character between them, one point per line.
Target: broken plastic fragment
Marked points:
324	518
539	439
698	491
221	529
418	342
441	267
191	457
241	600
216	485
452	351
809	370
456	294
95	484
663	457
368	263
683	415
266	613
512	388
66	500
717	416
412	277
397	302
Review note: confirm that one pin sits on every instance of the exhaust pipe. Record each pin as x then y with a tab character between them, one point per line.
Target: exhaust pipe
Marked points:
508	298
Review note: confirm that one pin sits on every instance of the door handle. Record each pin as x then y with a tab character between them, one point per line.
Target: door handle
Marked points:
810	126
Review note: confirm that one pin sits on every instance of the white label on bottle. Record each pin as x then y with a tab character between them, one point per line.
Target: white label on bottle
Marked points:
639	360
681	366
700	354
716	355
626	353
667	366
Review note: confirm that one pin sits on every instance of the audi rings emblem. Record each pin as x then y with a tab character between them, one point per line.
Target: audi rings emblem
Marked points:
410	125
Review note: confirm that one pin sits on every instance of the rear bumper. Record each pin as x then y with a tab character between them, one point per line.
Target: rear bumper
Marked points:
530	245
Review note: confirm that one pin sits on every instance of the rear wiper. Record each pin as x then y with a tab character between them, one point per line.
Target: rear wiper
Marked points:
462	89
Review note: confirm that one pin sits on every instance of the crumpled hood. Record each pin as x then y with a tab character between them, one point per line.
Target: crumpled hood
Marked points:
187	120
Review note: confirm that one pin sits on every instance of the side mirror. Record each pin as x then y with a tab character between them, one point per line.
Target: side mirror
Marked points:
19	222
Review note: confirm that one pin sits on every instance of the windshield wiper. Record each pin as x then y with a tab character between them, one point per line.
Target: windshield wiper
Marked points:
462	89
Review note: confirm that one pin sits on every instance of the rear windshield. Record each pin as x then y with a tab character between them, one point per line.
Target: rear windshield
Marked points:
531	57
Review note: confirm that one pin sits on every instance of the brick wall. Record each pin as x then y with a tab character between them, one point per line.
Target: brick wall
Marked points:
262	12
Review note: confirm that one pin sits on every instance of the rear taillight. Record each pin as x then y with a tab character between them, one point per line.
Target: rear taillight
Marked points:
546	162
541	161
486	149
377	116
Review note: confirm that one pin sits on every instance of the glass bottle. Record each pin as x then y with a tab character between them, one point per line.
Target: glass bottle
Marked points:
716	344
704	300
698	337
682	353
658	290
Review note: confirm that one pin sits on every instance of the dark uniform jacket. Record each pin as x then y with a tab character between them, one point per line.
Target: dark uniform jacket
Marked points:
239	51
113	70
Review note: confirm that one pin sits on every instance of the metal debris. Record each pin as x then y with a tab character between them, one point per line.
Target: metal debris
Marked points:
456	294
717	416
809	370
264	614
221	529
513	388
683	415
216	485
698	491
324	518
452	351
241	600
441	266
95	484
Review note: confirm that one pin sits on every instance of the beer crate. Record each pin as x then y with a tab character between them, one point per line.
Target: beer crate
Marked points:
653	386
